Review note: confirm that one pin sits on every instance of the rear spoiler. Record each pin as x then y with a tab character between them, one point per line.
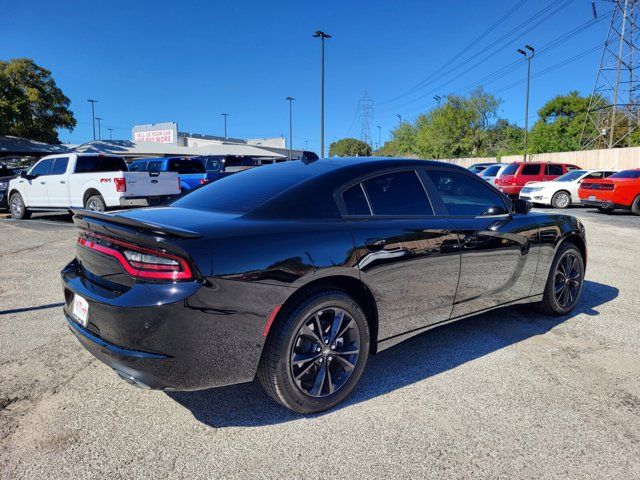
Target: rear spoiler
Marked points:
148	227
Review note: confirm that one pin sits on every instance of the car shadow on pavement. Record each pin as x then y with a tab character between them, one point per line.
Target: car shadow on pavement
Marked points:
30	309
416	359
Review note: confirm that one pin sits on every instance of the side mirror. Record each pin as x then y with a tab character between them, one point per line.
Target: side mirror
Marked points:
23	174
521	207
495	210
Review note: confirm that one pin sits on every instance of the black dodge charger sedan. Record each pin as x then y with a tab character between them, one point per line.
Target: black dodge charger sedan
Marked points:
297	272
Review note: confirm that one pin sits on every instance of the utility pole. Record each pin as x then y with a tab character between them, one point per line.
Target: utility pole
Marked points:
110	133
399	120
366	105
93	115
379	136
322	36
614	113
99	130
290	100
225	115
528	55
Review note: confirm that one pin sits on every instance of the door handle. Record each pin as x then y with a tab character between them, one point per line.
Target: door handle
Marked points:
376	244
43	183
62	181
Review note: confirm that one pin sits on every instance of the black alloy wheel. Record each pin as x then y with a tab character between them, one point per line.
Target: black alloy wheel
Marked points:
565	281
325	352
315	352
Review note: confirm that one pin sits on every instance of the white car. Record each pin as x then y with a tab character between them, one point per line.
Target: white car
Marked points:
92	181
492	172
563	191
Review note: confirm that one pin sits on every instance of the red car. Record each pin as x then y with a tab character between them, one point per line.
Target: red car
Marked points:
620	190
518	174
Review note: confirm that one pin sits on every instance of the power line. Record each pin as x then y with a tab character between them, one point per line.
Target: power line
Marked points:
545	13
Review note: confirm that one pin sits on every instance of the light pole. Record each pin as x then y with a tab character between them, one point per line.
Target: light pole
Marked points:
306	145
290	99
99	130
225	115
379	135
93	115
399	120
110	133
528	56
321	35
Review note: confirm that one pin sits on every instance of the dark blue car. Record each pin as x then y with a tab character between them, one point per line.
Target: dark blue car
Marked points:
191	171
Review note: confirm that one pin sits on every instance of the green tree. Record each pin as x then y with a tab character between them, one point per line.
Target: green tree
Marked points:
349	147
504	138
402	143
31	105
560	124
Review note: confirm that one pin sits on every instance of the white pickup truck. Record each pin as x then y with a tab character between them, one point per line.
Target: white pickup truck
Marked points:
92	181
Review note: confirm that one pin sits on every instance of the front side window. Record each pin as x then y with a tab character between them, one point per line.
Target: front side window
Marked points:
532	170
464	195
42	168
553	170
60	166
355	201
398	193
572	176
591	176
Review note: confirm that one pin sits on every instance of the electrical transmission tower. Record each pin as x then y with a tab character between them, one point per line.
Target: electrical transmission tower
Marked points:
614	113
366	111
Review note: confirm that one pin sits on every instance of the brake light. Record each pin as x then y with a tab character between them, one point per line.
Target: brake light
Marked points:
121	184
204	181
139	262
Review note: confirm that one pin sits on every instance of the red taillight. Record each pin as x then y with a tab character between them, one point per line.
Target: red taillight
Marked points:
139	262
203	181
121	184
179	186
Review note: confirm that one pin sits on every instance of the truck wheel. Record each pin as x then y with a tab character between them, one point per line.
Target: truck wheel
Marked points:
18	209
95	203
561	199
635	206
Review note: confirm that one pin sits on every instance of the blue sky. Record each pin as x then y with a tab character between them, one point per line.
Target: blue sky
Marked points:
190	61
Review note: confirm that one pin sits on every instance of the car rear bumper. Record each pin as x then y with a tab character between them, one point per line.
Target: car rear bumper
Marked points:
176	336
603	204
510	190
143	201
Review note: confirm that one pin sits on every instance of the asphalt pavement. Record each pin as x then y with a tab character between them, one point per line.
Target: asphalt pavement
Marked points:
509	394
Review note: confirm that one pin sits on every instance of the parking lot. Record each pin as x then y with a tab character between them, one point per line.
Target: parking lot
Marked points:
506	394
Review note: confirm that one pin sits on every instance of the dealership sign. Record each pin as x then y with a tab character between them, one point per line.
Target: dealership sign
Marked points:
166	132
160	136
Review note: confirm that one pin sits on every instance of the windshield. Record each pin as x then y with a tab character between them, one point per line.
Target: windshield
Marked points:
626	174
244	191
491	171
572	176
510	170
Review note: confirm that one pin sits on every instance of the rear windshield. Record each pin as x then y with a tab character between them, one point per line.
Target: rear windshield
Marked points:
491	171
186	166
100	164
511	169
244	191
626	174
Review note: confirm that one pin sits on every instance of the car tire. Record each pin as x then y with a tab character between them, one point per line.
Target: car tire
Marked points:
561	199
565	281
95	203
17	207
298	367
635	206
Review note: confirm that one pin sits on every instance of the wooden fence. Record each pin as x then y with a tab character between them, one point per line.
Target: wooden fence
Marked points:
616	158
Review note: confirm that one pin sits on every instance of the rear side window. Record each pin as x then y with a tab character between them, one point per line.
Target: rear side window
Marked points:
594	175
42	168
398	193
100	164
60	166
511	169
355	201
554	170
532	170
463	194
186	166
